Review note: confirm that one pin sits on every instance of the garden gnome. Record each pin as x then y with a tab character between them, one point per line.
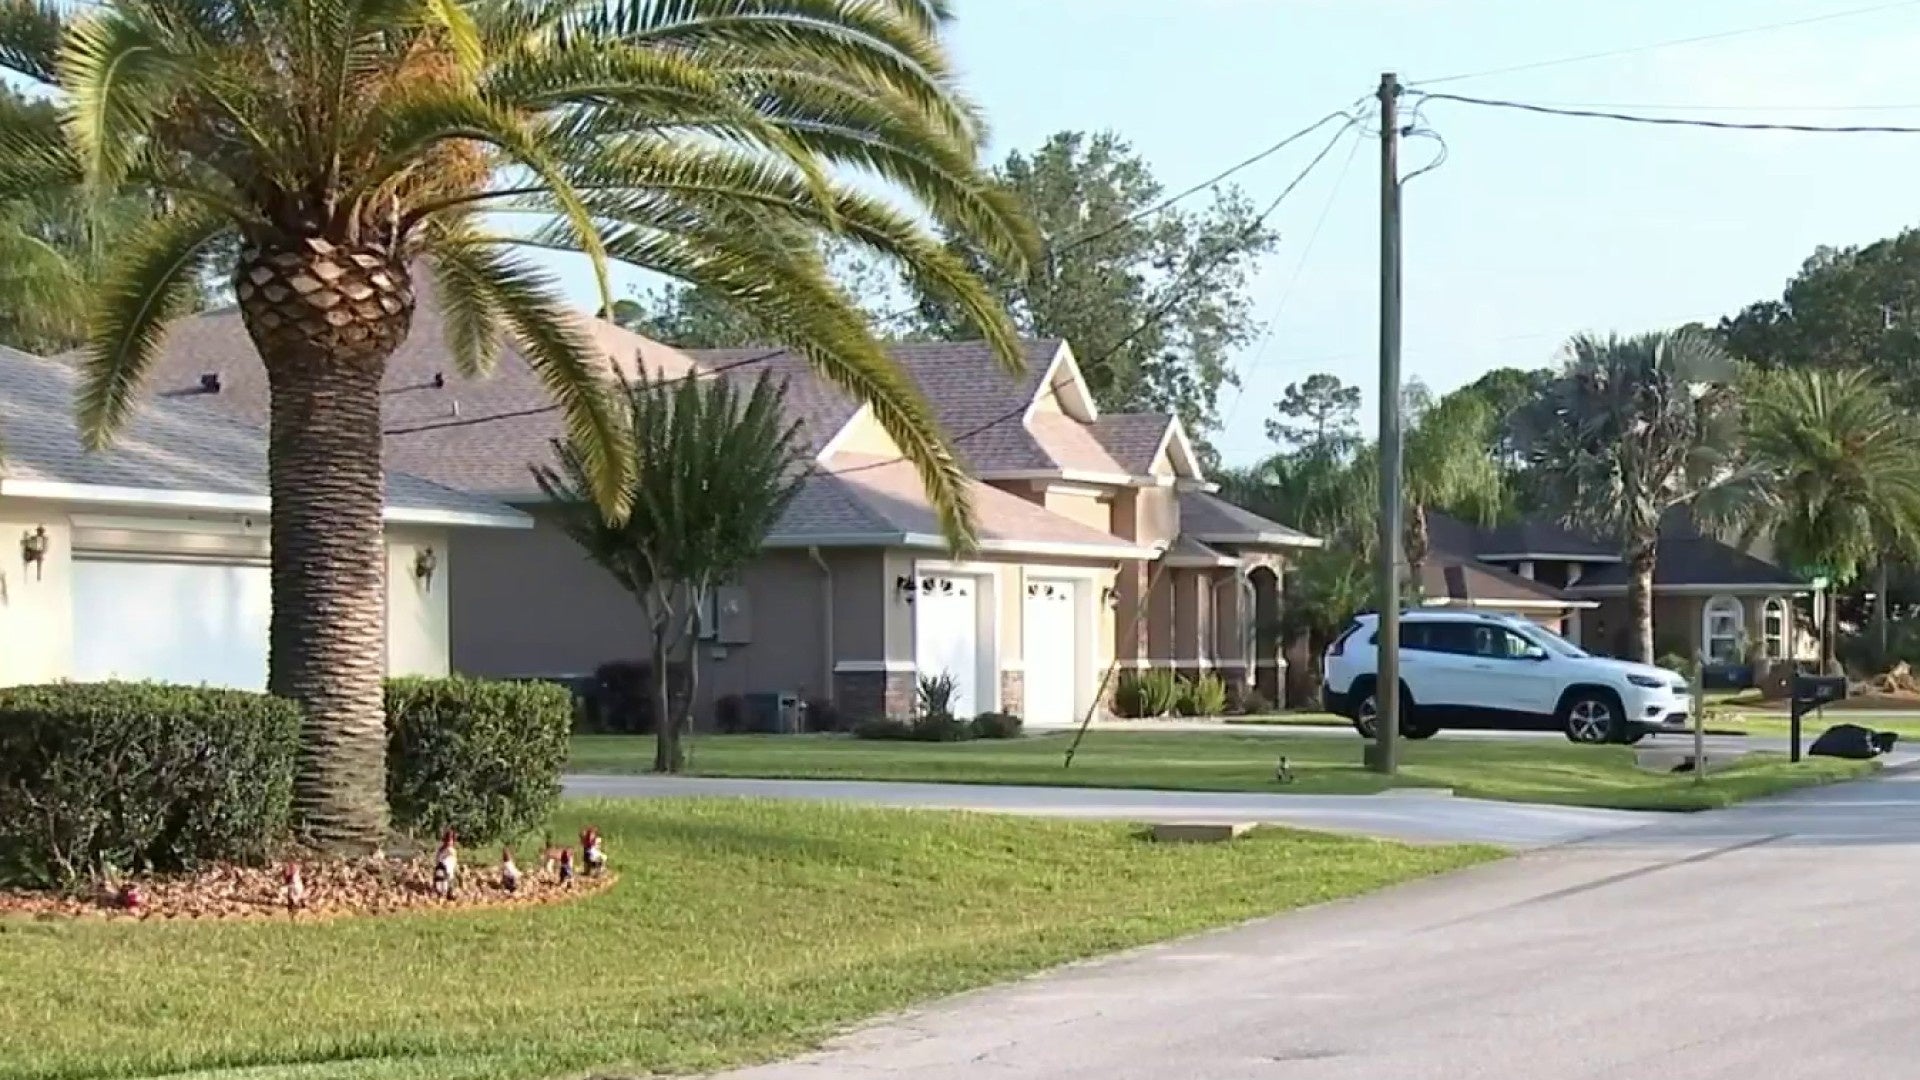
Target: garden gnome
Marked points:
446	866
509	873
549	858
293	888
566	866
591	852
132	897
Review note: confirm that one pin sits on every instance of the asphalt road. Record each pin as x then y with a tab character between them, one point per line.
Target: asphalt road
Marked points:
1770	941
1406	815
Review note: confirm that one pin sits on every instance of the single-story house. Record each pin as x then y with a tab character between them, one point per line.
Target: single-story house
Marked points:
148	560
1082	514
1710	598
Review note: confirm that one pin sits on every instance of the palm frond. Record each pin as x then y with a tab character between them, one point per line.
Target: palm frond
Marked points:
117	71
30	36
150	284
473	319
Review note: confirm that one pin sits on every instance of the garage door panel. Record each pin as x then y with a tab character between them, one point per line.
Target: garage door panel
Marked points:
946	637
1049	629
178	622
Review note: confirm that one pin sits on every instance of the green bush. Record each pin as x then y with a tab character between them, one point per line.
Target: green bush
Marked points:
1205	695
996	725
1680	663
933	696
1254	703
941	727
101	777
480	757
1146	694
883	729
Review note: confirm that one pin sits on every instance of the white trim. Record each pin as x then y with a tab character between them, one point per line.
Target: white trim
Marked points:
1701	590
1186	460
1547	556
1270	661
1079	383
1206	487
1719	604
1015	666
1201	561
227	502
1520	605
1119	550
1084	490
864	667
1262	539
951	566
1072	476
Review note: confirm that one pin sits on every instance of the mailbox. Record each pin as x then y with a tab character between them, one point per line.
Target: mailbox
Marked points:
1810	692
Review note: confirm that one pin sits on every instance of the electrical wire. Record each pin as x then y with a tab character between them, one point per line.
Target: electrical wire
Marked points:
1670	43
1676	121
1066	246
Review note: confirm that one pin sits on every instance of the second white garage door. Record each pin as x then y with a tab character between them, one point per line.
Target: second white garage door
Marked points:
177	622
1052	675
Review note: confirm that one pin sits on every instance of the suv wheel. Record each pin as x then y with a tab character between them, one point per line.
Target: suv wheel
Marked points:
1366	710
1591	718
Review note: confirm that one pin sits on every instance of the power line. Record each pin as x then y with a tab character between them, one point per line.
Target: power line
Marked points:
1675	106
1196	276
1204	184
1670	43
1286	291
1676	121
1066	246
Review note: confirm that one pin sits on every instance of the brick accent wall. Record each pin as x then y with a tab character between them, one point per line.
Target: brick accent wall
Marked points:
863	695
1013	692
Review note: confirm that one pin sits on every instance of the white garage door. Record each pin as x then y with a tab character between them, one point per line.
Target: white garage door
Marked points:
1048	629
176	622
946	633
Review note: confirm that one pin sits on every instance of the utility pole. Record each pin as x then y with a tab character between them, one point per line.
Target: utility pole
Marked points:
1383	755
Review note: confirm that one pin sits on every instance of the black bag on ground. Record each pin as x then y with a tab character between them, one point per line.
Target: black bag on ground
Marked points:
1846	741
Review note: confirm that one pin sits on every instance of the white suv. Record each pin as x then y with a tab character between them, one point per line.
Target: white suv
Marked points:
1464	669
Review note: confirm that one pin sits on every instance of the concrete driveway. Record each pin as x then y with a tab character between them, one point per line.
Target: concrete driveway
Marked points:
1407	815
1770	941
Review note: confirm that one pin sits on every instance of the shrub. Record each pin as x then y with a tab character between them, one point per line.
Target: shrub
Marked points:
941	727
100	777
1147	694
1678	662
823	716
933	696
1204	695
996	725
482	758
883	729
619	700
1254	703
730	714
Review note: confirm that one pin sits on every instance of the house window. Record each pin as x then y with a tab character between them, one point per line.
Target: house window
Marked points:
1721	623
1773	627
707	616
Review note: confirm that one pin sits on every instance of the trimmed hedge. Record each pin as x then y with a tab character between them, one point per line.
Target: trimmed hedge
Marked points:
103	777
480	757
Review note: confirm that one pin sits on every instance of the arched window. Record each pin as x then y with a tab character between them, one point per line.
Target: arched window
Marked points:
1773	627
1720	629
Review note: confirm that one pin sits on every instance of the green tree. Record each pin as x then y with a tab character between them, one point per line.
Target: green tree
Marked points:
712	474
1448	465
1847	308
351	145
1631	428
1835	471
1320	414
1158	300
1507	394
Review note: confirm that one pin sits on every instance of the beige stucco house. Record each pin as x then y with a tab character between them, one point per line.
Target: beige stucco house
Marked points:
1086	519
148	560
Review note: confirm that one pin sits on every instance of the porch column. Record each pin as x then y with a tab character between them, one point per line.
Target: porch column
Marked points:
1269	661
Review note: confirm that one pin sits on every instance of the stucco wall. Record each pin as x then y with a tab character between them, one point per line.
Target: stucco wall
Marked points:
36	604
416	607
1094	510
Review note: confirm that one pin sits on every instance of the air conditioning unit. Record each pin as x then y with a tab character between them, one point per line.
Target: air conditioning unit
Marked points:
775	713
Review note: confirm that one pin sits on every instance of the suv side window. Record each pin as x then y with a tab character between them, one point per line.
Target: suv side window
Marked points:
1453	637
1413	635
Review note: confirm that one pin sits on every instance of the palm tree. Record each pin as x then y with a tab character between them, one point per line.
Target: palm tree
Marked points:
1449	464
1631	428
713	473
351	144
1836	471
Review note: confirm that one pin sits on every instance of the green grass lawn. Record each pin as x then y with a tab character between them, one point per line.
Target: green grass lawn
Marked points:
1547	771
739	930
1290	719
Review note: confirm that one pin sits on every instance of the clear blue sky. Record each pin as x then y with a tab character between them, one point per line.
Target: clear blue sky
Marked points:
1536	227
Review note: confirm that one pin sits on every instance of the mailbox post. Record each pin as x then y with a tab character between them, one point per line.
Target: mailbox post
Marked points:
1810	692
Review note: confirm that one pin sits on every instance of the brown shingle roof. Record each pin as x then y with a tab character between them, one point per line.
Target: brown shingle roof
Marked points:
1073	445
1210	518
1132	439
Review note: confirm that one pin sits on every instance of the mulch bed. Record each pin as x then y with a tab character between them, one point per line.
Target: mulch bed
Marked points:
334	889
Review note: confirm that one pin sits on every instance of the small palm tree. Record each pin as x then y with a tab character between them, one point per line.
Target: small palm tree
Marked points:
1631	428
1836	470
712	474
352	144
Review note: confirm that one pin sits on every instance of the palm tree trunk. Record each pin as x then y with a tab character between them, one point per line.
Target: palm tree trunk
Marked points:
324	320
1418	543
1640	563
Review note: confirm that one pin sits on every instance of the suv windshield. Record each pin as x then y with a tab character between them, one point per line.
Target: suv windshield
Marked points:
1547	639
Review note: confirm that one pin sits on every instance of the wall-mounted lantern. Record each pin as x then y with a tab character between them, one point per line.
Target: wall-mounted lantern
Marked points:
1110	596
905	588
33	550
425	562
